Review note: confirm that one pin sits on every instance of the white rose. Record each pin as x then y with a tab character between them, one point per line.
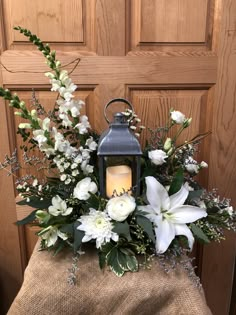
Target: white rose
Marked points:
157	157
203	164
119	208
83	188
192	168
177	117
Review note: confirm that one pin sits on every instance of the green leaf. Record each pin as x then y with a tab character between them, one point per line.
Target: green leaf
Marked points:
93	201
78	235
177	182
127	251
195	194
112	261
122	260
132	263
68	228
28	219
122	229
111	255
36	203
102	259
59	248
147	226
198	232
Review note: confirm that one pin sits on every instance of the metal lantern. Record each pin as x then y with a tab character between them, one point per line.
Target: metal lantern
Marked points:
119	144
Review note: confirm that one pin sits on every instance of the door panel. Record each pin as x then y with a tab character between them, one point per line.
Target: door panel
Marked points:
159	54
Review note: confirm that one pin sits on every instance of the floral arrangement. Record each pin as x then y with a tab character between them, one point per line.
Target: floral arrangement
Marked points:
172	211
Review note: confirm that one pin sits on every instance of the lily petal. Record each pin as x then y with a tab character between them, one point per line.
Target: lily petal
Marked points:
165	233
157	195
179	198
186	214
182	229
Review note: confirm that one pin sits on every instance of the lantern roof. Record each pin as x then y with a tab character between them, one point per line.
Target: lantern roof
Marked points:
118	139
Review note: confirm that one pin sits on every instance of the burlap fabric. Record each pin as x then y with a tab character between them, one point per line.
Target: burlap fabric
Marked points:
45	290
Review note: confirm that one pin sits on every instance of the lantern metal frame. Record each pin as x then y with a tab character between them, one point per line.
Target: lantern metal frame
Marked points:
119	141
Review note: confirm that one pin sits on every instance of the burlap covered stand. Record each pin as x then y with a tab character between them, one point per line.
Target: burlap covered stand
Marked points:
45	290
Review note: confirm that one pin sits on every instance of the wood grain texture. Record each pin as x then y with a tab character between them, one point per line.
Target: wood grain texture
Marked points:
63	25
110	27
10	256
173	26
129	70
67	26
96	101
219	260
2	30
162	21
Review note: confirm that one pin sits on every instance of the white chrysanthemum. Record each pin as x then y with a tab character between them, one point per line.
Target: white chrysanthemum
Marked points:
59	207
97	225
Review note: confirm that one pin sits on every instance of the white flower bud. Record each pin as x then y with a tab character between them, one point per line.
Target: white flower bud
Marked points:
63	177
34	114
167	144
58	64
187	122
50	75
18	114
25	126
22	105
203	164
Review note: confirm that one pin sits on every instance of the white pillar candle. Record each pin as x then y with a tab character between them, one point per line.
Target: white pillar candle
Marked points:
118	178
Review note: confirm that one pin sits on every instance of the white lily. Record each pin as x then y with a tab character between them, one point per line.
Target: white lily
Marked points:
169	214
59	207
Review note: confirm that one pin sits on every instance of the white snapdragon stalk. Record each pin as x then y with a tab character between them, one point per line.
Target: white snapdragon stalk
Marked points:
91	144
119	208
84	188
59	207
169	214
97	225
157	157
84	125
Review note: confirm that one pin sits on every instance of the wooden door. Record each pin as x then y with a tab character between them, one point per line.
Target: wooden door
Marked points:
158	54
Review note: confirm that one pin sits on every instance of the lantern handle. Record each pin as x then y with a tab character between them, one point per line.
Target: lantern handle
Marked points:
123	100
